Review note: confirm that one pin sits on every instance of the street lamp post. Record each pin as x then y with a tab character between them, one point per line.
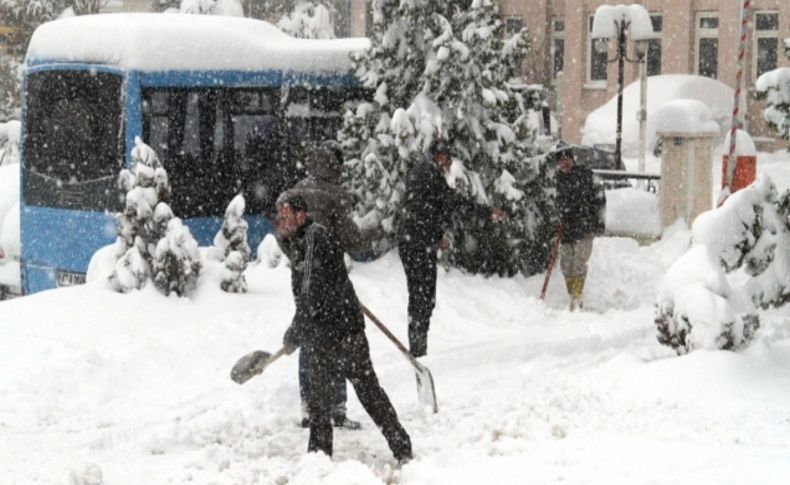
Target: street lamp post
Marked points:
609	20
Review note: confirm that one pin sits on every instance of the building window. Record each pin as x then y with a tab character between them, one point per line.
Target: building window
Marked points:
707	55
766	42
654	47
557	46
513	25
596	65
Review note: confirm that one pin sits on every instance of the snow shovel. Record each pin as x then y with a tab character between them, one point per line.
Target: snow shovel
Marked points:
555	245
426	393
253	364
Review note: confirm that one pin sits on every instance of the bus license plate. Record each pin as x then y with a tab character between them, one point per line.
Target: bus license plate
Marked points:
70	279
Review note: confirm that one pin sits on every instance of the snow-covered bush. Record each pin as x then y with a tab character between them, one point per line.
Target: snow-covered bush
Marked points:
269	252
441	69
9	142
697	308
749	237
151	242
775	87
230	244
176	262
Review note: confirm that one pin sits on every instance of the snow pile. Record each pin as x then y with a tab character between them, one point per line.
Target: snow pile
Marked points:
685	116
740	258
601	124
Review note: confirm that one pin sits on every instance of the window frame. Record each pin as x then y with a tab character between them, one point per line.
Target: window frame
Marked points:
595	83
705	33
657	36
557	34
763	34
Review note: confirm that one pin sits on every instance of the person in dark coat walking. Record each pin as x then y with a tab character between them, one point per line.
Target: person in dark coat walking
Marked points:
330	205
329	321
428	206
581	204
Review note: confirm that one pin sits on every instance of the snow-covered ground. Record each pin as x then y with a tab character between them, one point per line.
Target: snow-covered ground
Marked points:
99	387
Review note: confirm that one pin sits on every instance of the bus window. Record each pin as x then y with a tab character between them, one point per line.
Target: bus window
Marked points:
215	143
73	146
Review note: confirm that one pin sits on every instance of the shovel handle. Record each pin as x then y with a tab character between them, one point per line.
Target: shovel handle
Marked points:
386	331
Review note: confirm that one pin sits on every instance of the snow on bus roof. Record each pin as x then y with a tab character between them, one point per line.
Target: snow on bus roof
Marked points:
157	42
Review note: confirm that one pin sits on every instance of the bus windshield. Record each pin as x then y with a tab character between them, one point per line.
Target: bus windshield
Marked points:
73	145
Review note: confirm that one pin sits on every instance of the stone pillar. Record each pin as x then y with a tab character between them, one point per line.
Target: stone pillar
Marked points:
686	176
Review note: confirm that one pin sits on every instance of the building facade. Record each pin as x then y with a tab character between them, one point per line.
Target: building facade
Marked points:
690	37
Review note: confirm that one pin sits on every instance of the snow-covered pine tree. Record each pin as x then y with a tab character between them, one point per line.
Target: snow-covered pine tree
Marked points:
24	16
441	69
231	245
145	187
151	241
308	20
775	87
698	306
231	8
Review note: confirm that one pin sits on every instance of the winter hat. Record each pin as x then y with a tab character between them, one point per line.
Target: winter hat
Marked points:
563	152
292	200
439	147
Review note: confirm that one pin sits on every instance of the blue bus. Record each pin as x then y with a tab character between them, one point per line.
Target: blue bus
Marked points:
228	104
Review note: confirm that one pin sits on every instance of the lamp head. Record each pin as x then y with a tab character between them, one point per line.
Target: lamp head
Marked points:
601	45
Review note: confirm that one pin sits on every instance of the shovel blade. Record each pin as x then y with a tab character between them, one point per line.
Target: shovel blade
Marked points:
249	366
426	393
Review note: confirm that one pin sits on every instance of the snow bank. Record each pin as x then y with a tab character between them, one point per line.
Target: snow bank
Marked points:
633	212
153	42
601	124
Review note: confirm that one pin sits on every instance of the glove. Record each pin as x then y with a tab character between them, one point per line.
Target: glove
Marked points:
291	339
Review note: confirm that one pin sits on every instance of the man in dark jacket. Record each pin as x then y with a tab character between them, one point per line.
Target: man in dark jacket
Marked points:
428	206
330	205
581	204
329	321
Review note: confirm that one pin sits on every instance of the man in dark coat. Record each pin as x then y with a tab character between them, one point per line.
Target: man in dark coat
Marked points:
581	204
428	206
330	205
328	320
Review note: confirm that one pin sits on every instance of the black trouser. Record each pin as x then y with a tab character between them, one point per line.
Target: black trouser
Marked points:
419	262
350	358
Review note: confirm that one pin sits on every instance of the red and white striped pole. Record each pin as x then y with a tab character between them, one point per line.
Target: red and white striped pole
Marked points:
747	5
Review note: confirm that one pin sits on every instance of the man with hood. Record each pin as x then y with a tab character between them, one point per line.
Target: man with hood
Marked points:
329	205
